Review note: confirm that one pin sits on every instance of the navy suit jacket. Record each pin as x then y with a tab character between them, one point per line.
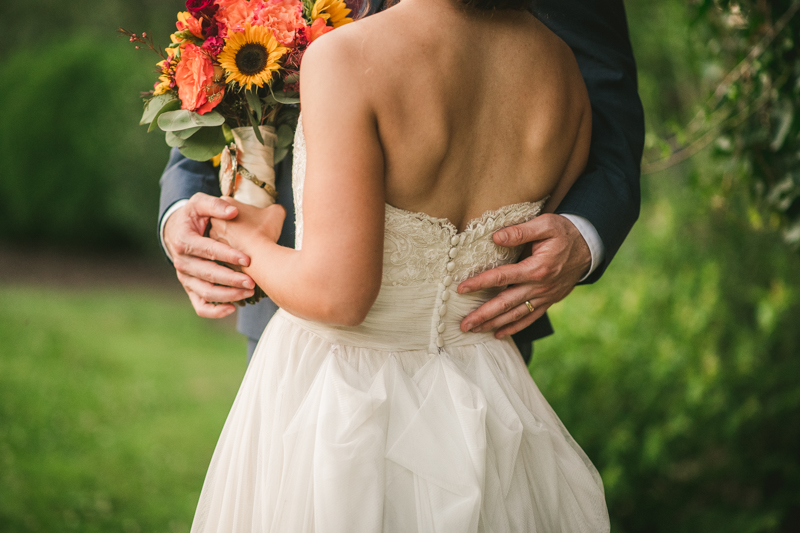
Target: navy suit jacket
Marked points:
607	194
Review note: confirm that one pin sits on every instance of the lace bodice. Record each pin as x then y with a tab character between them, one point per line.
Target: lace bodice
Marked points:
419	248
424	257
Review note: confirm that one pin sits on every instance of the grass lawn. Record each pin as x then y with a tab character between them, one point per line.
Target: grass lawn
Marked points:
111	402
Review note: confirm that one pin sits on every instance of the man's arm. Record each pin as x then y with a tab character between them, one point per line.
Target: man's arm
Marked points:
189	197
606	196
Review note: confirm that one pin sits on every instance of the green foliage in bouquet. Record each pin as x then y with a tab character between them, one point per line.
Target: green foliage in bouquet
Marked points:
202	137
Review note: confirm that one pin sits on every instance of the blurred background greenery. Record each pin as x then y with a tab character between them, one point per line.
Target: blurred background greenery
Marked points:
677	373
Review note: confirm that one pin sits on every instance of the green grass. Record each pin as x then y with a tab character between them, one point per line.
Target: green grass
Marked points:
111	403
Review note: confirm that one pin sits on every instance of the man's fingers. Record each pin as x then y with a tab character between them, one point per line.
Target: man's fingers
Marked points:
213	272
213	293
203	205
534	230
524	322
516	319
205	248
497	277
501	304
207	310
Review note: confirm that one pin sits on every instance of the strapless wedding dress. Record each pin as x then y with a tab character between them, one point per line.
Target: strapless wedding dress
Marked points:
403	424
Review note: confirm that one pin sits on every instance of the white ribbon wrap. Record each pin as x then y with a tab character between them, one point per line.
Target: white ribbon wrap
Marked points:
259	160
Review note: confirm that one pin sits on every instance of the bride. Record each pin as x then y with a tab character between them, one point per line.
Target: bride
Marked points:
367	407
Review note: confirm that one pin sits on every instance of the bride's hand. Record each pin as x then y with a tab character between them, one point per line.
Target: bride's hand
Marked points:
559	260
251	226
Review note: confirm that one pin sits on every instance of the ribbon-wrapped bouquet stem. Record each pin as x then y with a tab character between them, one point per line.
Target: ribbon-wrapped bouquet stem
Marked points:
229	85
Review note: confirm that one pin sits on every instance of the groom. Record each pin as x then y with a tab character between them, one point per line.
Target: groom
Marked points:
570	247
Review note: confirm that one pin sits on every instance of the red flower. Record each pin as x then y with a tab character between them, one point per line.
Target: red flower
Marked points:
213	45
197	8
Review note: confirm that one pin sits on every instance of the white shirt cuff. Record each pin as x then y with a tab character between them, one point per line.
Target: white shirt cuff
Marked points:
174	207
593	240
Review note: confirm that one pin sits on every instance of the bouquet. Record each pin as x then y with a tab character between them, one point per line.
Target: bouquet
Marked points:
228	86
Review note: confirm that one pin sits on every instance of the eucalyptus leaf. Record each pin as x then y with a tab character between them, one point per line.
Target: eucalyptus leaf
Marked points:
155	105
255	103
255	128
292	78
285	136
173	140
172	106
183	119
281	98
280	153
204	145
185	134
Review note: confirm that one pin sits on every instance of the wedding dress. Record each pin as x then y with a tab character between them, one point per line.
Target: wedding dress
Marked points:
403	424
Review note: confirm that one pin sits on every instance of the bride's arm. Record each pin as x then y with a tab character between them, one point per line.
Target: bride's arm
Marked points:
336	276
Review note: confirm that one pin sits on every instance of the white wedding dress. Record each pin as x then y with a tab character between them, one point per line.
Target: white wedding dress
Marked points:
403	424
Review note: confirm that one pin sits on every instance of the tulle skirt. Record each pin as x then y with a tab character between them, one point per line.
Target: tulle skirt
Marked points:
327	437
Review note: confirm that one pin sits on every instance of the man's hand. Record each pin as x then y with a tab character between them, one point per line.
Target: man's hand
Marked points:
560	258
193	256
250	227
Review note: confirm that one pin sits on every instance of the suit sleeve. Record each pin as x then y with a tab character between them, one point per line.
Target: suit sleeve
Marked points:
608	192
182	178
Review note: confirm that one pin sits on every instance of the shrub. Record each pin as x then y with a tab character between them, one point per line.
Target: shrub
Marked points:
678	372
77	170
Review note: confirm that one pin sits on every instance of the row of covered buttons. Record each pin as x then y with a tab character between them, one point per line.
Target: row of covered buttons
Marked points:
444	286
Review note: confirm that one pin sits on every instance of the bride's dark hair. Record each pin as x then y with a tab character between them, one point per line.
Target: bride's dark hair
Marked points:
363	8
489	5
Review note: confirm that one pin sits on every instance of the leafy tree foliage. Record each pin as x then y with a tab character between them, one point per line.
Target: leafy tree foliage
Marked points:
751	117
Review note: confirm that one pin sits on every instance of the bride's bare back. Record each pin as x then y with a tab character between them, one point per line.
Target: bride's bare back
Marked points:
428	107
474	110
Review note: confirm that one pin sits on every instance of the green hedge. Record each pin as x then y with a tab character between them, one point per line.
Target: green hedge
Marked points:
77	170
678	372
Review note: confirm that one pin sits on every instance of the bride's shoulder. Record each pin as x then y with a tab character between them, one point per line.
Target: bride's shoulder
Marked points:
355	41
337	54
352	58
554	65
552	52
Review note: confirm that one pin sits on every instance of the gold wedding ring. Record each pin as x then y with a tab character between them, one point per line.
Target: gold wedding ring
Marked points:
530	307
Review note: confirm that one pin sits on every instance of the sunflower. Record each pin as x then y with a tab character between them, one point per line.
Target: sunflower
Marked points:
250	57
333	11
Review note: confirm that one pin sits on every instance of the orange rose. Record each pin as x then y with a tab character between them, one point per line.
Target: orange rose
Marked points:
186	21
195	78
318	29
234	15
283	18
